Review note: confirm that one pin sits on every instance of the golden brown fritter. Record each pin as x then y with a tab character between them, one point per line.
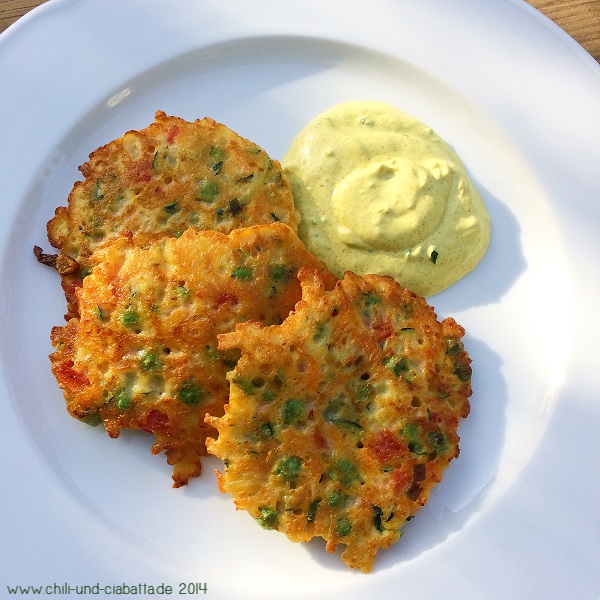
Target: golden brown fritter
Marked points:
342	418
161	180
143	353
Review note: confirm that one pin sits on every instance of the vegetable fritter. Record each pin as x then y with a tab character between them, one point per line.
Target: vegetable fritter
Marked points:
161	180
143	352
343	418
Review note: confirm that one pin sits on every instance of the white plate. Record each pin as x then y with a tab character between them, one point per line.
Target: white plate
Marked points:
517	514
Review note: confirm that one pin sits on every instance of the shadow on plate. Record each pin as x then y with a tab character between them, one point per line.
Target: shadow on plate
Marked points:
498	270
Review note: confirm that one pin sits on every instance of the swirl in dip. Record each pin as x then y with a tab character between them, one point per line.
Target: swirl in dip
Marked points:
381	192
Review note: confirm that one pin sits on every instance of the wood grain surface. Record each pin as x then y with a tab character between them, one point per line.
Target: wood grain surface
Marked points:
579	18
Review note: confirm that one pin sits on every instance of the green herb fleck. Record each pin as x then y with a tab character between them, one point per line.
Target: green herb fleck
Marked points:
156	162
96	192
311	515
338	413
377	514
265	431
399	366
235	207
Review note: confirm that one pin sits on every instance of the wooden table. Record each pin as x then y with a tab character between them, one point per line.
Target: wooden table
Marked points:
579	18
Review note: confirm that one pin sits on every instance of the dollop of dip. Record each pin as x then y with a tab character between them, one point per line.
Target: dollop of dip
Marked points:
380	192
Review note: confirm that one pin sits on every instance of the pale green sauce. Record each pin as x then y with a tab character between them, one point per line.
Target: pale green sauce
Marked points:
380	192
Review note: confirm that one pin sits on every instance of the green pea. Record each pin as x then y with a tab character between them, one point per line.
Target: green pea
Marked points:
268	517
293	411
242	273
130	317
454	346
182	292
371	299
346	472
268	396
412	433
364	391
123	400
438	441
150	361
289	468
343	527
211	352
190	393
337	498
216	153
208	191
280	273
463	372
319	333
248	386
93	419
